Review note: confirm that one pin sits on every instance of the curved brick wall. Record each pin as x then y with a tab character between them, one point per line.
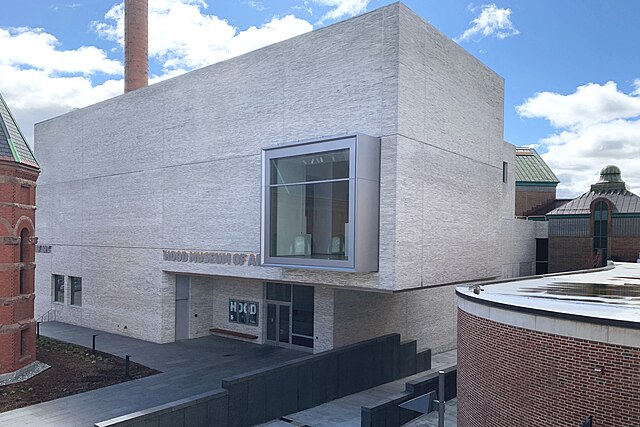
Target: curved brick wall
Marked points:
511	376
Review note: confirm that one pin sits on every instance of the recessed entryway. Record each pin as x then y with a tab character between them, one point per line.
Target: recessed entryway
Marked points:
289	316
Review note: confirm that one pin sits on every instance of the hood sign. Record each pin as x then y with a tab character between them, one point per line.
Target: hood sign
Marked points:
229	258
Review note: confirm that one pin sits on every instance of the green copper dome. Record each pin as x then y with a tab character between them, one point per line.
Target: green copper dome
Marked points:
610	180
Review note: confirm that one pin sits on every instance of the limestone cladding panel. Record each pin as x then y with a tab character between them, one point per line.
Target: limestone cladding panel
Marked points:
542	229
198	214
460	223
509	374
446	97
446	155
225	289
323	321
518	247
59	146
43	285
121	289
506	195
426	315
360	315
123	210
200	306
570	253
60	213
168	307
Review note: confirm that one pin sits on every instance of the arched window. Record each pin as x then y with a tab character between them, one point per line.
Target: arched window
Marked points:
24	236
600	231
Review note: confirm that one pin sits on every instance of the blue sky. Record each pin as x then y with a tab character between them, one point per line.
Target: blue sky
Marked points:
571	67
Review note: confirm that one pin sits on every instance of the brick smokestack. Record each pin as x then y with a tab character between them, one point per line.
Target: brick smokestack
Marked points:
136	44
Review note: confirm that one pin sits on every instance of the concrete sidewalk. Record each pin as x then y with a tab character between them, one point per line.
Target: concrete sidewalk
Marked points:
189	367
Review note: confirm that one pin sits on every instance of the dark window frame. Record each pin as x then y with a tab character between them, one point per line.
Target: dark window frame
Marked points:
58	288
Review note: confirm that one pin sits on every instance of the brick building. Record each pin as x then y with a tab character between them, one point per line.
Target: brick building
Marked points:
535	184
601	224
551	351
18	174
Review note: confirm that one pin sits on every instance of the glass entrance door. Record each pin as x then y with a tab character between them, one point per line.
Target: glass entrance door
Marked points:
279	323
289	316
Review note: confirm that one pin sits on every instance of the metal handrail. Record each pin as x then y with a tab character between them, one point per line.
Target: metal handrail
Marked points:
48	316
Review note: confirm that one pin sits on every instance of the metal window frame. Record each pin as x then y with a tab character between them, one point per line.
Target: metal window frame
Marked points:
364	202
72	291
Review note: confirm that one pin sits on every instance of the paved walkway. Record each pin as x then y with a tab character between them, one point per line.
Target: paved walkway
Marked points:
189	367
346	411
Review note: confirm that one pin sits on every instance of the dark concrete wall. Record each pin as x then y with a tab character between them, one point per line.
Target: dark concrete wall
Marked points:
314	380
389	414
206	409
266	394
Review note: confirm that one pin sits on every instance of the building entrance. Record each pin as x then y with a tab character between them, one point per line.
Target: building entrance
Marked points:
289	321
182	307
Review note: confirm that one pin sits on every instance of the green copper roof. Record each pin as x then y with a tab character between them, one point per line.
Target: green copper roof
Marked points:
530	168
13	146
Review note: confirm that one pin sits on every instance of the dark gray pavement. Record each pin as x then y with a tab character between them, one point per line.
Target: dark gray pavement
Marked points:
189	367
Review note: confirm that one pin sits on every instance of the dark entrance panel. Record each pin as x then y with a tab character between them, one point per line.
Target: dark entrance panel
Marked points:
290	315
182	307
542	256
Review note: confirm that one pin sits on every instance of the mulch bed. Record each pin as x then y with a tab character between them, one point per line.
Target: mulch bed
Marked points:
73	370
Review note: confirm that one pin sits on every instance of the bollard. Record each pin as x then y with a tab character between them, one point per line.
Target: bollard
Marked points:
93	344
126	366
441	402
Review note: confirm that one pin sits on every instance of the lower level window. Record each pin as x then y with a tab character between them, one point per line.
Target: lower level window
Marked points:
58	288
76	290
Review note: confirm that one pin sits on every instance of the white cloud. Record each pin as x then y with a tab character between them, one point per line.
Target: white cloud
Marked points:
35	95
342	8
255	5
34	48
40	80
492	21
182	36
636	86
596	125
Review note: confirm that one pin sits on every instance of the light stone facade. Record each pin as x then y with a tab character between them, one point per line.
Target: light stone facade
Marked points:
177	166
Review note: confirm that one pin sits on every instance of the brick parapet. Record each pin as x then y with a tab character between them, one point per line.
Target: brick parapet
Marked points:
512	376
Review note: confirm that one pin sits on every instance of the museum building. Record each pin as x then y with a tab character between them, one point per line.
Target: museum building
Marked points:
326	189
601	224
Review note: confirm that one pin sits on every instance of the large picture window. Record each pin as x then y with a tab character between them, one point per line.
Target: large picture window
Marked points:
313	194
